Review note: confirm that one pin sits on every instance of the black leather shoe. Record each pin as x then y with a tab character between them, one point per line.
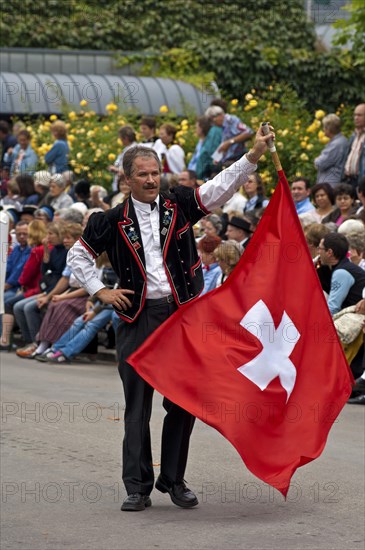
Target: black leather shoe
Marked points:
179	493
359	400
136	502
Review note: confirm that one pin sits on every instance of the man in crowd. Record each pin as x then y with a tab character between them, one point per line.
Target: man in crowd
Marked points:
148	130
235	133
347	279
300	190
239	230
188	178
150	243
355	160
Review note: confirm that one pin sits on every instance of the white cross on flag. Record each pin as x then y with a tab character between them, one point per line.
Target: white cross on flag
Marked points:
258	358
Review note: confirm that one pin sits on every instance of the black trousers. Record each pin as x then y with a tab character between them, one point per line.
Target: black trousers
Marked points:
138	475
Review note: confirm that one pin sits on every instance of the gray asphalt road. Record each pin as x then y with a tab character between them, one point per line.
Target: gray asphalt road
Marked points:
60	476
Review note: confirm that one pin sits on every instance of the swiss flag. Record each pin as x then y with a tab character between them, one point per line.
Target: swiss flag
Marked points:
258	358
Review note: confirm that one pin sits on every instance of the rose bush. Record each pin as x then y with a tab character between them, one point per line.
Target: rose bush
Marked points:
94	142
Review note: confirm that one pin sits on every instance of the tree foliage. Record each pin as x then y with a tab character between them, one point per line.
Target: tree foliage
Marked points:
242	45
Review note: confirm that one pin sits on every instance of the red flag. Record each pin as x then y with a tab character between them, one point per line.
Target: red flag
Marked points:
258	358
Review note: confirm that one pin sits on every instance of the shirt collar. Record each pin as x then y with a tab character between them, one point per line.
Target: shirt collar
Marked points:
145	206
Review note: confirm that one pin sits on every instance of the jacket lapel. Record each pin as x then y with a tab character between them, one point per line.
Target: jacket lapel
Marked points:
167	222
130	231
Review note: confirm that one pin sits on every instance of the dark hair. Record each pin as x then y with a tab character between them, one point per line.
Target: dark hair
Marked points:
205	124
127	132
345	189
25	133
192	174
82	189
138	151
260	184
26	185
169	129
4	127
337	243
220	103
361	185
326	187
148	121
306	181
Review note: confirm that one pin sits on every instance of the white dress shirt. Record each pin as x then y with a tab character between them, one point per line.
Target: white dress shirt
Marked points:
212	194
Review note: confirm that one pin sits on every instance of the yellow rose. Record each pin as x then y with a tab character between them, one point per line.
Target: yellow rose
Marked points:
247	108
253	91
106	128
164	109
253	102
111	107
90	134
298	173
234	102
304	157
72	115
310	146
79	156
319	114
53	117
279	144
111	157
77	170
303	144
248	97
285	132
83	103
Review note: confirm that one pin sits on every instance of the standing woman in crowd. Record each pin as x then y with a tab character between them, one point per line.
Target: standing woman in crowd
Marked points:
254	190
23	158
57	156
169	151
211	136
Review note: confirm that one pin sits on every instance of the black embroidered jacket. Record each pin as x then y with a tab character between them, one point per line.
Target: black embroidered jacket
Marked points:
117	232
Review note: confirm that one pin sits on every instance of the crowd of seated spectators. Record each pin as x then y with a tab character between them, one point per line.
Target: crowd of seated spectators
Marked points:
46	211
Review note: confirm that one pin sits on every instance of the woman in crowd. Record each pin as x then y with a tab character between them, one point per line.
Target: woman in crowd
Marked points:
227	254
323	198
169	151
27	192
213	225
57	156
28	280
23	158
59	197
254	191
64	303
345	197
210	139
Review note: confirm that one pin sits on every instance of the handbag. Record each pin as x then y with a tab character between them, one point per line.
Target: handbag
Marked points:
348	324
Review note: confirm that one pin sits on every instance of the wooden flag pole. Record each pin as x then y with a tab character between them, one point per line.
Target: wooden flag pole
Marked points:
272	148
